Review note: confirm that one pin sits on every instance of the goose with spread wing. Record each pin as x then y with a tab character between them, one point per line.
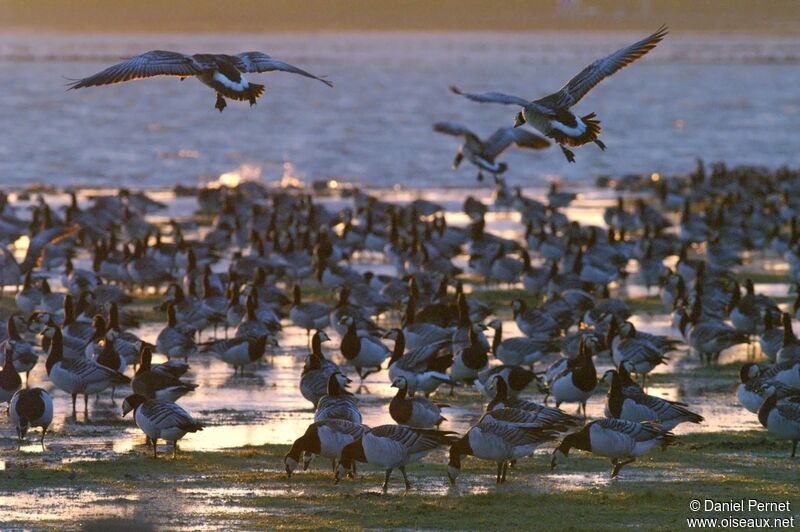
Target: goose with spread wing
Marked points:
551	115
221	72
482	153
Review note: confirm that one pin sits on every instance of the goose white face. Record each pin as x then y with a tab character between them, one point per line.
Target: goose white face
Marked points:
608	376
323	336
343	380
400	382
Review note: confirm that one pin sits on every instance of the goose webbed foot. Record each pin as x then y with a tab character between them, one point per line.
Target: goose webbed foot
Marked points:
569	154
600	144
221	103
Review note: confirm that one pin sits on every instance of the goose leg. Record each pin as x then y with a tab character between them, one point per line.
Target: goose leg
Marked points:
619	465
86	406
74	398
505	470
221	104
499	471
386	480
794	448
457	161
405	478
569	154
174	449
155	452
44	430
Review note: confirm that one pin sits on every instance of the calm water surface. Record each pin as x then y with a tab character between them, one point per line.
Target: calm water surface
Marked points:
720	98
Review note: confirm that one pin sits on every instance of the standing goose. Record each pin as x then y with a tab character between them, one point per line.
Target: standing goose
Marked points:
361	350
782	418
153	383
576	381
308	316
78	375
239	352
626	400
620	440
551	115
423	368
31	408
22	353
326	438
221	72
393	446
317	370
497	442
470	360
338	403
482	153
174	340
160	419
418	412
10	380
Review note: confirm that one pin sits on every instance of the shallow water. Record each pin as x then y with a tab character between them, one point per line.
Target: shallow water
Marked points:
716	97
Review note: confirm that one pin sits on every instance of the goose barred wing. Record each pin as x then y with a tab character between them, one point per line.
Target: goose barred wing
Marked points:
789	409
415	440
494	97
593	74
418	358
345	427
643	431
516	435
165	415
457	130
666	410
90	371
261	62
146	65
505	136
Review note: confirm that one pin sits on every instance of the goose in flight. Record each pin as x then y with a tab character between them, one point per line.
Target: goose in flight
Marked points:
483	153
221	72
551	115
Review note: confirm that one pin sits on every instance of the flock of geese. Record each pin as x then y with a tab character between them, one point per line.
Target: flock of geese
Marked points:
420	326
229	287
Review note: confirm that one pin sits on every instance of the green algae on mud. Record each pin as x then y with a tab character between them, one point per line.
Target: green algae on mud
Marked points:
247	487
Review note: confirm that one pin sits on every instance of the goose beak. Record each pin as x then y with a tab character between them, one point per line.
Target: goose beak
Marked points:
519	120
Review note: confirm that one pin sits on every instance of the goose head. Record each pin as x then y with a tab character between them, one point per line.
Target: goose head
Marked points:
457	450
131	403
519	119
401	383
748	372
